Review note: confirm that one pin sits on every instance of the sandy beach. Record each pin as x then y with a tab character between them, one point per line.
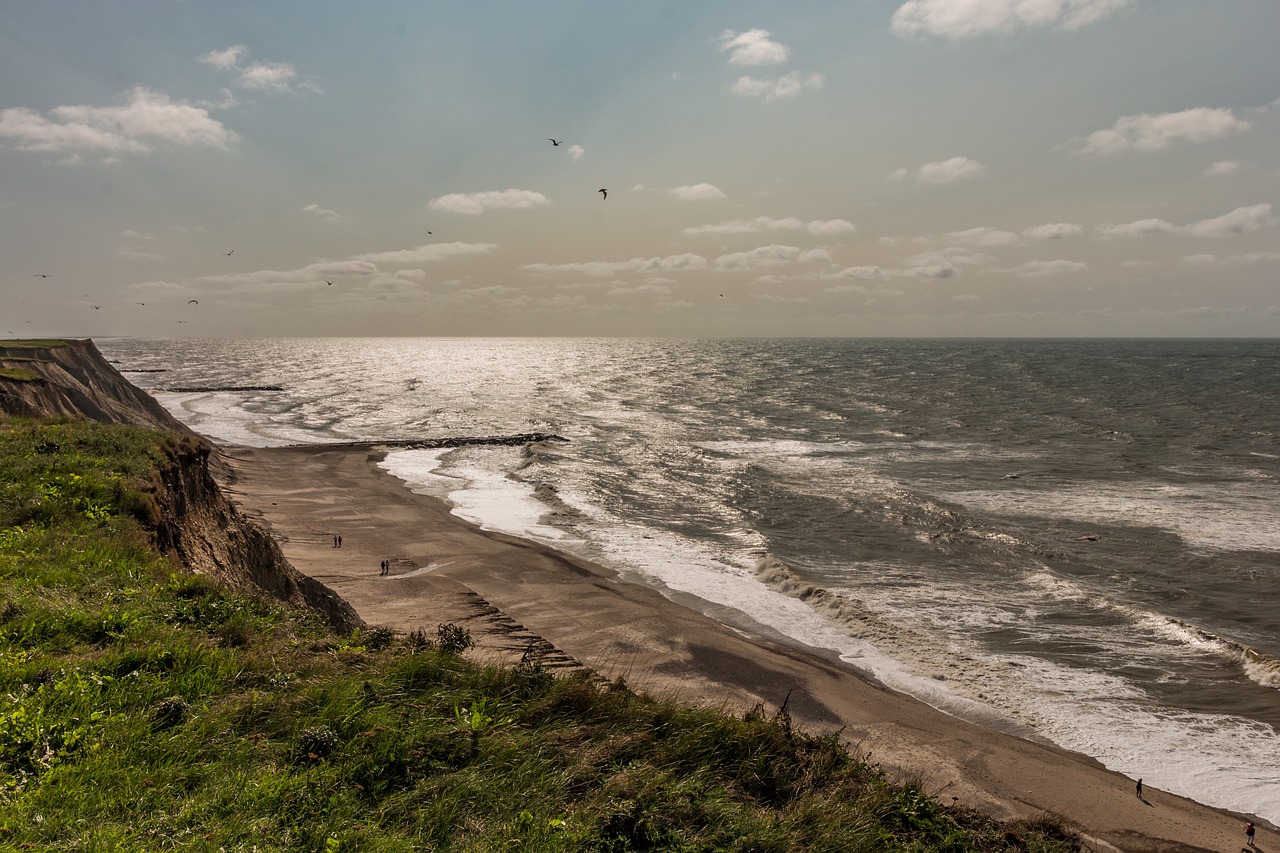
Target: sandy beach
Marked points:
516	596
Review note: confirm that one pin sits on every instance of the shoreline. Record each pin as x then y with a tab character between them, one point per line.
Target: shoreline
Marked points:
518	596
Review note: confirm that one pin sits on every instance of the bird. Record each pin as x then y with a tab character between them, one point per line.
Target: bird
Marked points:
329	283
97	308
182	321
141	303
603	192
228	254
193	302
553	141
39	275
428	232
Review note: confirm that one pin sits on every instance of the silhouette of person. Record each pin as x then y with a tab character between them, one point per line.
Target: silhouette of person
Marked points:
1139	787
339	540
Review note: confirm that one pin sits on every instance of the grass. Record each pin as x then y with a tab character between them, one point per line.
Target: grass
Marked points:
145	708
20	374
32	343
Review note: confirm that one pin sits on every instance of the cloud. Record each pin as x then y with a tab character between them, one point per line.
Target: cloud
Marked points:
260	75
1052	231
758	258
322	212
968	18
576	152
146	115
474	204
1040	269
427	253
861	273
1223	168
671	263
268	76
942	264
698	192
753	47
1148	132
789	85
1199	260
225	59
761	224
982	237
1242	220
942	171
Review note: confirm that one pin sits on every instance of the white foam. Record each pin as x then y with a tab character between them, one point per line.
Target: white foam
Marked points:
1227	517
476	488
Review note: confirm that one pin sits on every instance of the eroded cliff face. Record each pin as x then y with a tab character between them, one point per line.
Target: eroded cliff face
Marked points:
70	378
196	521
186	511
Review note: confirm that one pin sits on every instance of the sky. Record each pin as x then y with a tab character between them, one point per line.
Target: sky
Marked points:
865	168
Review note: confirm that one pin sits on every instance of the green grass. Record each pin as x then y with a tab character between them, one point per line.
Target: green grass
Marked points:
20	374
32	343
144	708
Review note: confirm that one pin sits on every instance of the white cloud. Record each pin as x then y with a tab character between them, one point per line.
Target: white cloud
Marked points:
427	253
968	18
322	212
1139	228
147	115
942	264
225	59
1147	132
789	85
1040	269
1242	220
576	152
260	75
753	47
942	171
982	237
762	224
1223	168
1199	260
474	204
1052	231
698	192
268	76
671	263
863	273
758	258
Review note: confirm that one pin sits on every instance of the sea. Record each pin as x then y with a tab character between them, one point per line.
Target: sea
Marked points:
1073	540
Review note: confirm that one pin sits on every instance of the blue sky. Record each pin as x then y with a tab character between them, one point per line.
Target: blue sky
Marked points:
883	167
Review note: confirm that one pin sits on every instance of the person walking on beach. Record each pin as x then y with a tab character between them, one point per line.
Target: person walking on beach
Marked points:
335	540
339	540
1248	833
1139	786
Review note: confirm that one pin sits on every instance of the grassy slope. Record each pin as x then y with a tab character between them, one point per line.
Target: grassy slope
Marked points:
142	708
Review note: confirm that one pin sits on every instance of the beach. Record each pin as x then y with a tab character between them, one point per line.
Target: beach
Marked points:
519	597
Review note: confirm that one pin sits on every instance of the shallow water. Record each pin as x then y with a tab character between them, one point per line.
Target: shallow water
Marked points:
1072	537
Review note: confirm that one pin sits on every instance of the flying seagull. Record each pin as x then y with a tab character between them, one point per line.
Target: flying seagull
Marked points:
40	275
328	282
228	254
193	302
553	141
603	192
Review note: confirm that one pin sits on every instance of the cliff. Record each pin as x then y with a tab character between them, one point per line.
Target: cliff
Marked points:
184	508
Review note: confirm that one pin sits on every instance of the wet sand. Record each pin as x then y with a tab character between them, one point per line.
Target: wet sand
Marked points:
519	597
